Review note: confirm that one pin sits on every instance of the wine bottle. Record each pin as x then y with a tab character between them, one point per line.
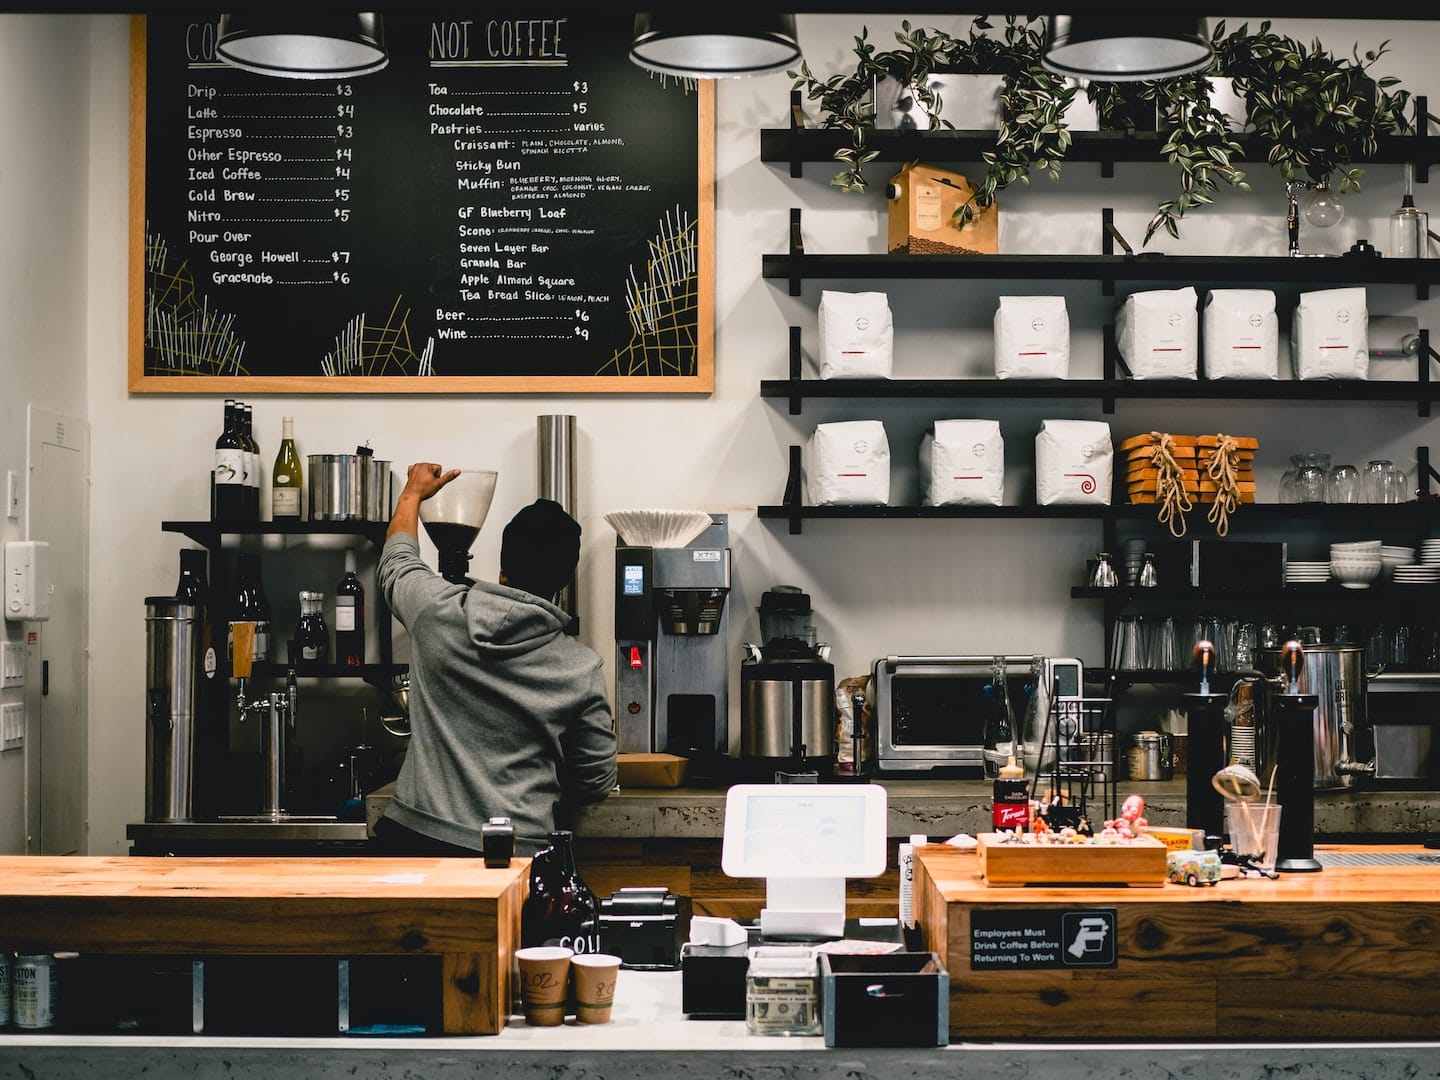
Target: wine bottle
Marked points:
248	604
227	476
350	616
252	466
560	908
1000	723
312	636
285	478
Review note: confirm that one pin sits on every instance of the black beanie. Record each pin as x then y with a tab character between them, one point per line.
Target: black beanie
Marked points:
540	549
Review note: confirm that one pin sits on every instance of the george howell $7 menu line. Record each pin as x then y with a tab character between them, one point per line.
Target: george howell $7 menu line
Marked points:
510	205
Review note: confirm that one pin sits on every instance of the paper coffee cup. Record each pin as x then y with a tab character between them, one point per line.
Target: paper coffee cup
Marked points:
595	976
544	982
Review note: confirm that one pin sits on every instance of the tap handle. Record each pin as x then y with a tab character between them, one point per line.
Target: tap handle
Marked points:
1203	656
292	693
1292	662
242	648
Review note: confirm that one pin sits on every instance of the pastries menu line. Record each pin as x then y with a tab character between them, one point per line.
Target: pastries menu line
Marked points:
509	205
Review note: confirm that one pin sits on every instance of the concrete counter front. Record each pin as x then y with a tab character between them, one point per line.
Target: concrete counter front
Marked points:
1351	952
456	909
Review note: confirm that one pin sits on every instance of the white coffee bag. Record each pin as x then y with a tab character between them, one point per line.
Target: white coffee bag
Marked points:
857	335
1158	334
962	462
848	464
1073	462
1241	337
1330	335
1032	338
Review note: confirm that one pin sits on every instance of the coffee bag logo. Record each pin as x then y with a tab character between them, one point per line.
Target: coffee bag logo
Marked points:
1038	323
1175	318
862	323
978	449
1256	319
862	446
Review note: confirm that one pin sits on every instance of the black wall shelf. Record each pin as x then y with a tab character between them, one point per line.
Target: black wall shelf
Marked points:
209	533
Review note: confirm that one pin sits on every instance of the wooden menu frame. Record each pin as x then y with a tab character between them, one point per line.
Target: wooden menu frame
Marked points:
702	380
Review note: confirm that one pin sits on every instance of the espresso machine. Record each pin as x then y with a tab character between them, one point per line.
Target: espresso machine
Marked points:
671	618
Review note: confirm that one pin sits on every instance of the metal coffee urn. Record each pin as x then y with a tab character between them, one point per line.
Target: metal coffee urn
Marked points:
787	693
172	653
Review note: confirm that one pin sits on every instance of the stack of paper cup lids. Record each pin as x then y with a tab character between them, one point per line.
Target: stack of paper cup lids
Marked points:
1299	573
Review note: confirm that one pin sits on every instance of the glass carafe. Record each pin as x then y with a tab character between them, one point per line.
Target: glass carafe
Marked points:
1312	471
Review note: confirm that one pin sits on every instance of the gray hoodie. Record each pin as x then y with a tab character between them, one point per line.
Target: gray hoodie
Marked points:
508	714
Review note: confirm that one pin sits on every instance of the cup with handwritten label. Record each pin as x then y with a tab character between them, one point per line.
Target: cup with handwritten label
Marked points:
595	977
544	983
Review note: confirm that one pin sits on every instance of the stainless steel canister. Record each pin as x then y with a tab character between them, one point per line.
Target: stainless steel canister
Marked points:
349	487
1337	675
172	655
1148	757
36	991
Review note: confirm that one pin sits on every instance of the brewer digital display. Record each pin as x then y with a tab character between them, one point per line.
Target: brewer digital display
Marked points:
632	580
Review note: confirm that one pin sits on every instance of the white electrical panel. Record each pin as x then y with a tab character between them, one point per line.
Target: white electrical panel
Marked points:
12	725
12	664
27	581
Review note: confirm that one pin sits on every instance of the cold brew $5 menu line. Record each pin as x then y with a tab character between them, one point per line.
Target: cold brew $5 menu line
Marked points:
509	205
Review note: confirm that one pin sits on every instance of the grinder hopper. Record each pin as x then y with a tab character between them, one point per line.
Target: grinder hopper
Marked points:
452	518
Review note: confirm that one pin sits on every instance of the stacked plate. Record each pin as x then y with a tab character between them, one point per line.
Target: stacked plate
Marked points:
1392	556
1300	573
1430	551
1417	574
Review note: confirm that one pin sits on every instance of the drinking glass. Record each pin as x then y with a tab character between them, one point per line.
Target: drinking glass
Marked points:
1289	486
1311	476
1376	483
1343	485
1397	485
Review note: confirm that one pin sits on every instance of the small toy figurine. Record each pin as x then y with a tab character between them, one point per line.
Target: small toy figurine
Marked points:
1131	822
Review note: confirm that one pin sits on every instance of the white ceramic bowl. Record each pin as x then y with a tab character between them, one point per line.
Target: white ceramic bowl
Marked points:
1353	575
1352	547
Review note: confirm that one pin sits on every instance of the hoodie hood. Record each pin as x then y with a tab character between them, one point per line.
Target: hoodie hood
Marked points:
512	622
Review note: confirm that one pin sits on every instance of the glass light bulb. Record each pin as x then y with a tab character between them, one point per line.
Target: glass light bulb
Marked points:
1322	208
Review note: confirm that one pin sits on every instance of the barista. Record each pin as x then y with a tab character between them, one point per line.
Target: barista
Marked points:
508	713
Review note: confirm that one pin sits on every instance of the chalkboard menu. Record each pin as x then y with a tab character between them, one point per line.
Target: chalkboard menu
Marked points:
510	205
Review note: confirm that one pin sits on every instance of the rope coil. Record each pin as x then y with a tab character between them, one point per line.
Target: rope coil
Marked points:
1169	485
1222	467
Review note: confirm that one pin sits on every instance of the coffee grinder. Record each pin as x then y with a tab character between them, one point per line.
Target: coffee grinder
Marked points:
452	518
787	693
671	618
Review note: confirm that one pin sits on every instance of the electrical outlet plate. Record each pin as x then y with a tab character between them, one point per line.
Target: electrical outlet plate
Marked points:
12	664
12	725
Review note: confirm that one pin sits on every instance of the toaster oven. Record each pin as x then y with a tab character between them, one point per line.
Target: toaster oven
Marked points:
930	710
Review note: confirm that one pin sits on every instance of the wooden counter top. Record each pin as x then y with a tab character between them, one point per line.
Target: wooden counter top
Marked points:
343	907
1351	952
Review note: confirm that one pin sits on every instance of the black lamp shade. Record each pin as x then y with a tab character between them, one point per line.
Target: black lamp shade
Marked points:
1114	48
714	45
304	46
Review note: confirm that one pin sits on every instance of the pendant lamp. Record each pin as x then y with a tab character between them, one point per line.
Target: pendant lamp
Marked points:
714	45
303	46
1113	48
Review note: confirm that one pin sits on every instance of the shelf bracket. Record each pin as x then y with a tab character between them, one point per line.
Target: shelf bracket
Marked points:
1109	235
1421	168
1422	372
791	501
796	397
1424	471
797	122
1110	364
797	250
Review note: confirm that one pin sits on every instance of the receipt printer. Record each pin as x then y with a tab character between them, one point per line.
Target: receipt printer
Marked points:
645	927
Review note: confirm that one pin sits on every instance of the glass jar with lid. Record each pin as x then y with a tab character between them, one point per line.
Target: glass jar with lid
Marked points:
782	991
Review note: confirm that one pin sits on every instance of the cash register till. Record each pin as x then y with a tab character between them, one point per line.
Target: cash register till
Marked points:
805	841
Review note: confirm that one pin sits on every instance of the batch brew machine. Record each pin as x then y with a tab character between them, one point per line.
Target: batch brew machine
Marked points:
671	618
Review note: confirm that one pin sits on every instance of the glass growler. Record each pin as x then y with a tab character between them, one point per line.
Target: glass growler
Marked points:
560	909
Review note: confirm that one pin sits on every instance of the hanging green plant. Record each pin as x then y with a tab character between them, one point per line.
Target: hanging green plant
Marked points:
1200	143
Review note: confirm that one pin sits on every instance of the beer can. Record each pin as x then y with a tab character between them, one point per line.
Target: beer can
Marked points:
34	991
5	965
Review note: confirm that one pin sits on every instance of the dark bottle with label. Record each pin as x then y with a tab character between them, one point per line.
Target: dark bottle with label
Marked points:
227	472
350	616
560	909
248	604
312	636
252	465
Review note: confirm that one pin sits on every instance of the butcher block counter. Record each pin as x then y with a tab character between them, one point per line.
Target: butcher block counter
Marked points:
456	909
1351	952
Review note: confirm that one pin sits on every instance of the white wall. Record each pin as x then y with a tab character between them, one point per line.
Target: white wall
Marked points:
878	588
44	121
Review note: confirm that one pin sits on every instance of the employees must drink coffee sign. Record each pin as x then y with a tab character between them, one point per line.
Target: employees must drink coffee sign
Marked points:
1014	938
509	205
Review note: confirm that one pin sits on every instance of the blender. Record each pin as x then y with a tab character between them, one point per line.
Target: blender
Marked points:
452	518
